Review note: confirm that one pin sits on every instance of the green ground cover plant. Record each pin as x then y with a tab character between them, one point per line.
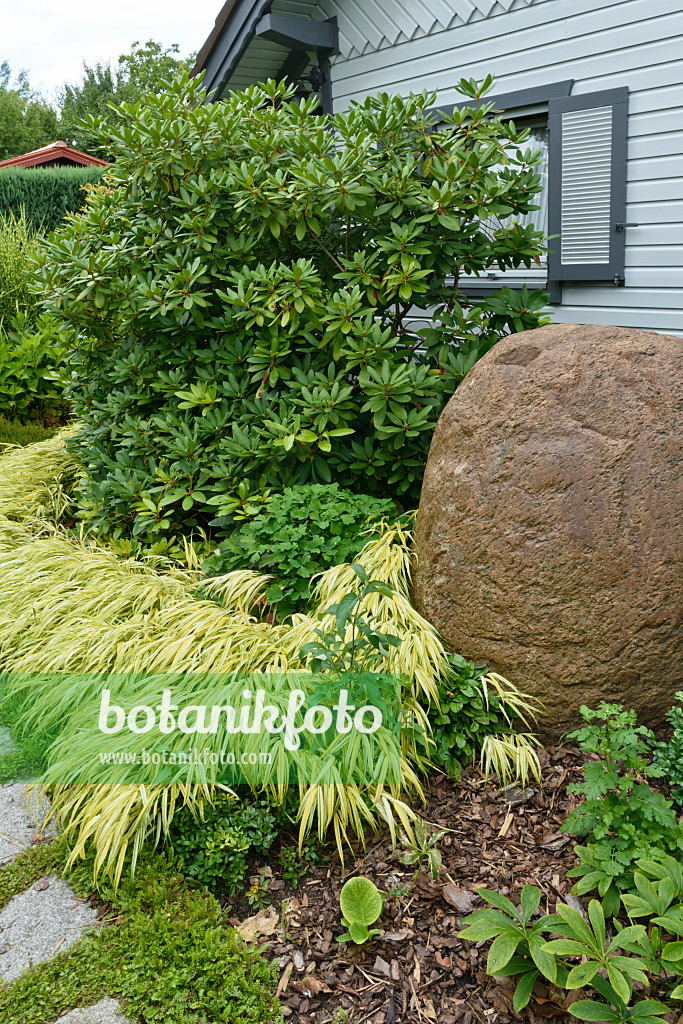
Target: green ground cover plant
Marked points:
249	281
19	761
668	756
300	533
621	817
32	346
471	712
214	849
15	433
28	866
31	355
172	959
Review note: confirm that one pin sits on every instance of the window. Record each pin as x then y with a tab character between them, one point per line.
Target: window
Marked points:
583	139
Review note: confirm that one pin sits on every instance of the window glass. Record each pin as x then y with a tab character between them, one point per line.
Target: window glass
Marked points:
538	140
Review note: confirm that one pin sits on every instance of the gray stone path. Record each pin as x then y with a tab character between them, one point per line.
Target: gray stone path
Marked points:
17	823
47	918
40	922
105	1012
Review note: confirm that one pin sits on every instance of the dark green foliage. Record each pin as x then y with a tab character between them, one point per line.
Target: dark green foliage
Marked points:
214	851
27	120
468	713
32	348
26	759
301	532
253	276
295	863
520	949
622	818
171	961
46	195
30	359
668	757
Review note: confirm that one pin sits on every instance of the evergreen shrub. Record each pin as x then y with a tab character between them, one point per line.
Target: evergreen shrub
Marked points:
251	279
45	195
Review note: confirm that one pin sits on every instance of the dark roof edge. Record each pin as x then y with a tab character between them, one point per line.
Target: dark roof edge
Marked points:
222	20
55	151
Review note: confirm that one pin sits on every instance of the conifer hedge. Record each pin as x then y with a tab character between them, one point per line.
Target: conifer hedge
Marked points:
45	194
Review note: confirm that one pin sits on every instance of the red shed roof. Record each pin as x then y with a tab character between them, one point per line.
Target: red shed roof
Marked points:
55	153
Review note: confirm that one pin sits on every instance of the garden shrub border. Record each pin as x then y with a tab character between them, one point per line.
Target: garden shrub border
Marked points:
53	579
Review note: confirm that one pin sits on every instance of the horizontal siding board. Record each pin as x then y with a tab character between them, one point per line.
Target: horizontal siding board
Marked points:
639	77
655	168
655	277
654	212
648	147
656	298
656	122
586	61
663	320
652	234
655	256
648	101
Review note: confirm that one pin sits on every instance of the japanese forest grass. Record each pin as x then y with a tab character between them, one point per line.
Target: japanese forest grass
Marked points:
71	611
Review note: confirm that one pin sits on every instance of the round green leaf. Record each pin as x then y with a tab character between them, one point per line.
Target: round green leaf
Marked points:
360	901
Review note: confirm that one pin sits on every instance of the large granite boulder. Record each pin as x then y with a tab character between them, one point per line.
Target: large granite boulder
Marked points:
549	539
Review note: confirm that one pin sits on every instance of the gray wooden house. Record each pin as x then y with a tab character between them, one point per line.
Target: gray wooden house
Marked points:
600	82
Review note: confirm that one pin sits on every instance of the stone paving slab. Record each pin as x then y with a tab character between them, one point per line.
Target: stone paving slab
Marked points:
17	823
48	918
38	923
107	1011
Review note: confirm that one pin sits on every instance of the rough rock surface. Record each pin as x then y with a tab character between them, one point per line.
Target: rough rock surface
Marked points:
549	539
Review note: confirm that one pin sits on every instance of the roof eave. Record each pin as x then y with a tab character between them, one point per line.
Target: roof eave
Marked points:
229	38
50	153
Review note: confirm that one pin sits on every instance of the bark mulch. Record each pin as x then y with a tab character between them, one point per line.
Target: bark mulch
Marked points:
417	970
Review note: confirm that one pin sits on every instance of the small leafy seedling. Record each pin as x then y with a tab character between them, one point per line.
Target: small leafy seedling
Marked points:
421	846
361	904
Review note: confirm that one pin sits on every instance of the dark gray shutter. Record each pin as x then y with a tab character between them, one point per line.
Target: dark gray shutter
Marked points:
587	187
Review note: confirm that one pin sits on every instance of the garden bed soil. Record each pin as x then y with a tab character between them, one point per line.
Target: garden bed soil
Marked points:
417	970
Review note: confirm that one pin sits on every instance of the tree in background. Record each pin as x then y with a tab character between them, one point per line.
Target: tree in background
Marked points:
27	121
136	74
